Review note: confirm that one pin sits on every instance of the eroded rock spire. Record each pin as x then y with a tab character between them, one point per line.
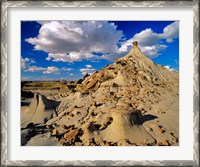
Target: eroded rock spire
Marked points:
135	44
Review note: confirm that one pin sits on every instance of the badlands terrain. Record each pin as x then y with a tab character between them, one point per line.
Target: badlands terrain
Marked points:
132	102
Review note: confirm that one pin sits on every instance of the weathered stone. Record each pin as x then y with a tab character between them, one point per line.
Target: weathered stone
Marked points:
70	114
93	82
135	44
164	143
113	89
64	126
100	74
118	105
62	141
78	144
161	130
106	144
123	142
70	136
134	105
54	132
48	126
160	112
175	139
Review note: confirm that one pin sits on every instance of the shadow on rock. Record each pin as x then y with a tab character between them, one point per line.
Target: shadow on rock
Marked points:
149	117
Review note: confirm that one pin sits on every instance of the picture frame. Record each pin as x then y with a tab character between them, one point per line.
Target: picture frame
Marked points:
6	5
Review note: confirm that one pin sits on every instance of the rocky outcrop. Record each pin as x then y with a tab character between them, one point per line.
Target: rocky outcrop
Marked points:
130	102
39	111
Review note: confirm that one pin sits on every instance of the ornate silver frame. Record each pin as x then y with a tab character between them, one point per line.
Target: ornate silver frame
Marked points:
12	4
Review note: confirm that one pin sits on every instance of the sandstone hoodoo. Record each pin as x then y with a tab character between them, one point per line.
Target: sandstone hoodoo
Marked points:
39	111
130	102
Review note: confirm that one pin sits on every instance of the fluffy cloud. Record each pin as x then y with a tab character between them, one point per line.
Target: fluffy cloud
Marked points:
26	66
69	57
47	70
170	69
66	69
25	62
51	70
154	50
70	41
29	60
88	66
171	31
147	37
71	74
88	70
150	43
34	69
114	56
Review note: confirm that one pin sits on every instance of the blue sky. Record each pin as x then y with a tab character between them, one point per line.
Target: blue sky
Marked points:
67	50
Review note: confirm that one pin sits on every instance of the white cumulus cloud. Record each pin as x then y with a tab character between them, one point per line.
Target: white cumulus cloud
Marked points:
71	74
154	50
88	66
47	70
171	31
150	42
88	70
70	41
34	69
25	62
170	69
51	70
69	57
66	69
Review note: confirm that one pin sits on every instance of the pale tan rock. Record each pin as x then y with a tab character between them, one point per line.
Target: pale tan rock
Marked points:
130	102
126	126
70	136
39	111
93	82
54	132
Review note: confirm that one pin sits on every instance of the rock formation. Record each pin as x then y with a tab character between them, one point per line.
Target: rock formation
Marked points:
130	102
39	111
